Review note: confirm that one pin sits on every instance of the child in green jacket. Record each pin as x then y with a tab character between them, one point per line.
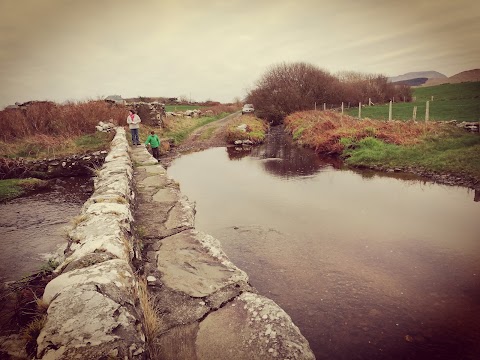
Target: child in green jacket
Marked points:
154	142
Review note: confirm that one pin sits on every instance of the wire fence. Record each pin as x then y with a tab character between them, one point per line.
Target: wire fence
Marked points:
421	110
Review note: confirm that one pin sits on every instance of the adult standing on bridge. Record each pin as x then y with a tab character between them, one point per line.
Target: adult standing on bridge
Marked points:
133	121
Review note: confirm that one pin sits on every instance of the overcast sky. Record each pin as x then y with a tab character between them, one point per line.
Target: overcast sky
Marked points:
80	49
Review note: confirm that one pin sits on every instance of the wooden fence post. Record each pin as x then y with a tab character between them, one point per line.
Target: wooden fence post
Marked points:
360	110
414	115
315	106
324	106
390	111
342	107
427	111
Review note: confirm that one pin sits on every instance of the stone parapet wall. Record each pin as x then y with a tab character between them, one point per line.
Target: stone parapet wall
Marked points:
92	303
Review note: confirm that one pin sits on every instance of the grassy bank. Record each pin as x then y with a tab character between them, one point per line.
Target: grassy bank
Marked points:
455	153
175	108
256	130
435	147
450	101
13	188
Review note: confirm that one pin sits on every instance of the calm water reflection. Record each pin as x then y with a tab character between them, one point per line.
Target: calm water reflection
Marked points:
368	266
34	226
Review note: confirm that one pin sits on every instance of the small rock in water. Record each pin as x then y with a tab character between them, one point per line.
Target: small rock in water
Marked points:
408	338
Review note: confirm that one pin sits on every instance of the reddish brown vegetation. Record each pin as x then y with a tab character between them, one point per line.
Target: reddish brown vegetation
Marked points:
49	119
322	130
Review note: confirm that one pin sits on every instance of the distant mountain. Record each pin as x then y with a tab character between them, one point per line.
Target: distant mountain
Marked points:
412	82
417	75
464	76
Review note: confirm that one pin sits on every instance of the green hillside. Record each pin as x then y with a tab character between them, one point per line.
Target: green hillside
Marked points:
450	101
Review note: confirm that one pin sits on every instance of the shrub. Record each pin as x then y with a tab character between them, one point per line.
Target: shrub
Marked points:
47	118
286	88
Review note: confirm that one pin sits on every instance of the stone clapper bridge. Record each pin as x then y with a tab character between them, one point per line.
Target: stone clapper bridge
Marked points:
135	236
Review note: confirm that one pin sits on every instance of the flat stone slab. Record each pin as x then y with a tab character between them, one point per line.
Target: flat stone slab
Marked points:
153	181
142	156
154	170
164	213
165	195
193	263
250	327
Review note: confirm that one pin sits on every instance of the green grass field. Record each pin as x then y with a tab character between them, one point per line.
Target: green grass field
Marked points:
174	108
450	101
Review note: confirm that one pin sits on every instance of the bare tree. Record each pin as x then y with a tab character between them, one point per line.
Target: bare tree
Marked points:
289	87
286	88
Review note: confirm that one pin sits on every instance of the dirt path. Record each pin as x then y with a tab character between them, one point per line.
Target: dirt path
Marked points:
205	137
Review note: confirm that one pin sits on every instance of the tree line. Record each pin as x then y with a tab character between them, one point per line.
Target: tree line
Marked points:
289	87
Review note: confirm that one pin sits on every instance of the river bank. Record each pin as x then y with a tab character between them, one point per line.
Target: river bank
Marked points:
344	156
436	150
439	178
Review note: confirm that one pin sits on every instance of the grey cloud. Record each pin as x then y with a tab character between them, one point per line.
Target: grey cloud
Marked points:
217	49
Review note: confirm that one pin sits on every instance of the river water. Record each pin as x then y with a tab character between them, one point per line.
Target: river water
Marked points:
368	265
32	229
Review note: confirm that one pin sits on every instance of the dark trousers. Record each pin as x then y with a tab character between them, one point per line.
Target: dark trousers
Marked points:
155	153
135	139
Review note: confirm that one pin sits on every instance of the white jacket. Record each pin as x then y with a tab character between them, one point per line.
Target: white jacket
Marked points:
133	124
